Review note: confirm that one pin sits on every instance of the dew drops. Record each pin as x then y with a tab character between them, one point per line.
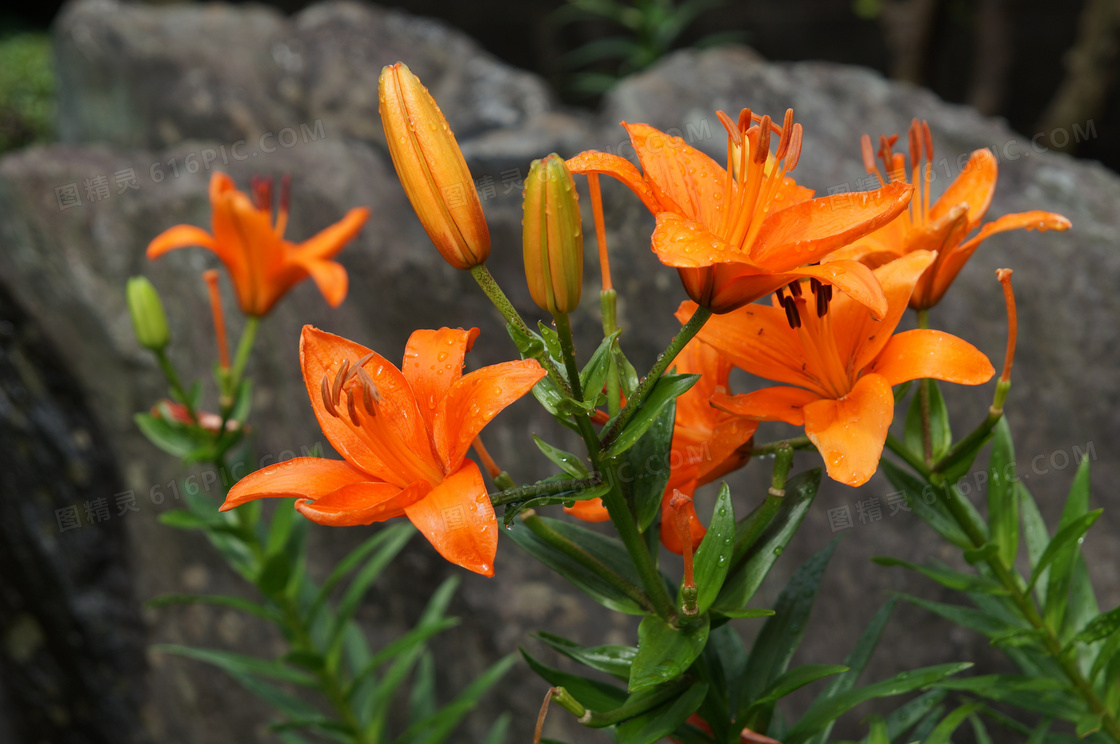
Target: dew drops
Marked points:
442	356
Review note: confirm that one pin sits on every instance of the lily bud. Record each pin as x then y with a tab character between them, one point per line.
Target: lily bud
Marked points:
552	236
148	319
432	168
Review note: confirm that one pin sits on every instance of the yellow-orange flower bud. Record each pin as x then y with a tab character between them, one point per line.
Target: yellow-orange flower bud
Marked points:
552	236
432	168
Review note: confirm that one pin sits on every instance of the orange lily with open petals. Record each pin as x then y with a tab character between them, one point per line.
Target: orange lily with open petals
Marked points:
251	244
404	434
738	234
707	443
839	365
944	225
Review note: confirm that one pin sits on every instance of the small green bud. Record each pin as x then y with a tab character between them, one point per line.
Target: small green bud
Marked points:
148	319
552	236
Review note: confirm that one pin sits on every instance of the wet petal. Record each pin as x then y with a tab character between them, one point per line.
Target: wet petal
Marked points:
458	520
924	353
683	243
619	167
309	477
973	187
591	510
433	362
680	174
768	404
850	432
362	503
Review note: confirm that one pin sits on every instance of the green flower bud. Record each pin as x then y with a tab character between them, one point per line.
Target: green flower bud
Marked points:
552	236
148	320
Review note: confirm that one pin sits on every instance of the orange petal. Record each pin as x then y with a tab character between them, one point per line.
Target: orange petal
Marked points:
852	278
681	242
679	174
328	242
670	538
474	400
727	450
952	263
329	276
850	432
790	193
309	477
807	232
591	510
362	503
859	337
458	520
619	167
758	339
768	404
923	353
433	362
973	187
180	236
714	369
321	354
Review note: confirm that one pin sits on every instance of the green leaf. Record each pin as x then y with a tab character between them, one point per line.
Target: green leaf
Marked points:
1036	536
1003	495
594	374
570	463
792	680
1068	539
856	661
967	617
782	633
943	733
1042	695
283	520
221	600
822	712
927	503
184	520
665	391
606	550
497	733
1089	723
955	580
658	723
941	438
713	557
436	728
1061	569
275	574
665	652
878	733
388	539
649	467
749	571
598	696
979	730
240	664
981	554
177	440
910	714
748	613
612	659
1099	627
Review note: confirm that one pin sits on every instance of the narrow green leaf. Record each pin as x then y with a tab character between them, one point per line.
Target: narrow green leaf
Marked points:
1067	539
1061	569
613	659
955	580
666	390
943	733
927	503
390	538
498	732
1038	736
608	551
221	600
878	733
821	712
598	696
1099	627
283	519
910	714
1089	723
570	463
665	652
594	374
649	467
240	664
177	440
713	558
748	572
781	634
1003	495
662	720
750	612
967	617
276	573
437	728
1036	536
1043	695
792	680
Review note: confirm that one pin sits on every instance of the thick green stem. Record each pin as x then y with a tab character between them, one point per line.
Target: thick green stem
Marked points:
494	292
686	333
568	348
968	444
244	348
524	493
550	536
900	449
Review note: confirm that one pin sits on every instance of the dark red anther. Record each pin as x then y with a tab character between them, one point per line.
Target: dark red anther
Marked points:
780	295
915	143
792	316
928	138
763	148
822	304
795	288
261	187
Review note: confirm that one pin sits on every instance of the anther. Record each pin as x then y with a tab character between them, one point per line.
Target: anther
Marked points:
792	317
822	303
915	143
795	288
783	141
780	295
794	149
928	140
370	394
814	285
261	187
366	358
340	379
350	407
763	150
328	401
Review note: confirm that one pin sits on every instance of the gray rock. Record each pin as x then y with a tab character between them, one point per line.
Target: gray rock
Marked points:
316	75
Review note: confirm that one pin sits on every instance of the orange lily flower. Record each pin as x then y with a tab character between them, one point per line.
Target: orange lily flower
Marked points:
404	434
739	233
841	362
707	443
251	244
944	225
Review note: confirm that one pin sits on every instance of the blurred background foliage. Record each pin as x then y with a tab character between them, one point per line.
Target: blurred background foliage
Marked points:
1041	65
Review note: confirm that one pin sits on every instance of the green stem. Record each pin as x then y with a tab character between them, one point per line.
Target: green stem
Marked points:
771	448
553	538
568	348
524	493
900	449
173	382
968	444
687	331
608	306
244	347
494	292
761	518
